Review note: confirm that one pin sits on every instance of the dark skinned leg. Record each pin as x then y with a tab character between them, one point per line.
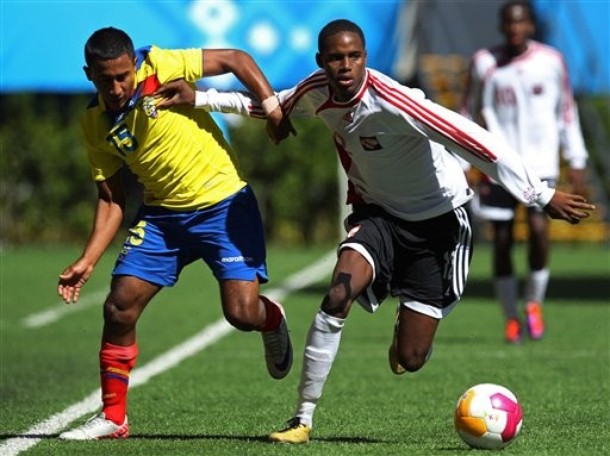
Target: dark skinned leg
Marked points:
126	301
241	305
503	244
416	332
351	276
538	251
246	310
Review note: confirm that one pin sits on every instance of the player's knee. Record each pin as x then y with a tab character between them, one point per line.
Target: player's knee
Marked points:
412	359
336	295
119	315
411	364
336	302
243	317
239	321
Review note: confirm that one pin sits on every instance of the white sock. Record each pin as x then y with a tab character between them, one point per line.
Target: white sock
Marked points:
506	291
536	285
321	348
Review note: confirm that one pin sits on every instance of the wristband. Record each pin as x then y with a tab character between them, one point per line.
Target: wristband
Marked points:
269	104
201	99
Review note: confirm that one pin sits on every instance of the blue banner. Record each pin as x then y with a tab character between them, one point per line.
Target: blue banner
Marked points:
581	31
42	42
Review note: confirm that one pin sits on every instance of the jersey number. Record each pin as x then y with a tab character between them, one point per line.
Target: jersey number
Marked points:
137	232
122	140
505	96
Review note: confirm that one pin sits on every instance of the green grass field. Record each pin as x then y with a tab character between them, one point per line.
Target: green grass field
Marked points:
220	401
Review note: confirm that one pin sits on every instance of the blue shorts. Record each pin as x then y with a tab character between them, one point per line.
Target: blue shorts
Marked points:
228	236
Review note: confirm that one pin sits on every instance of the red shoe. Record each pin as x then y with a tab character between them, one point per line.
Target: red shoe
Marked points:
512	331
535	323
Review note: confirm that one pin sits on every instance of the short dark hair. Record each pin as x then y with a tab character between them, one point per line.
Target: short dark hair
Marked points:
108	43
338	26
526	5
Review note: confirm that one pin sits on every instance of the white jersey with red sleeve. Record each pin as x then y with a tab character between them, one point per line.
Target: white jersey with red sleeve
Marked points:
392	143
527	100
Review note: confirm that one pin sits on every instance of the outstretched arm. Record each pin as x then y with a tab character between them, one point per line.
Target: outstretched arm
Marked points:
566	206
108	218
491	155
241	64
179	92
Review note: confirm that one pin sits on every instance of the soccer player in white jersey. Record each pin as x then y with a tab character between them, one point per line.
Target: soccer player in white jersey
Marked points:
409	235
520	91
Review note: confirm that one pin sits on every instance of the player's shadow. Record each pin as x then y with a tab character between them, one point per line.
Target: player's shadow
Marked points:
455	449
260	438
28	436
247	438
242	438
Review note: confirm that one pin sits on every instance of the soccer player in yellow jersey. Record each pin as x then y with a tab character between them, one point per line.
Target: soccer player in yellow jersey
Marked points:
196	205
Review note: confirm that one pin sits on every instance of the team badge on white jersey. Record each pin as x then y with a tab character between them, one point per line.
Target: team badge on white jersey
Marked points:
370	143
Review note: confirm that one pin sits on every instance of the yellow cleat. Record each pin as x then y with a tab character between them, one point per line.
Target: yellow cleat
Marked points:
294	432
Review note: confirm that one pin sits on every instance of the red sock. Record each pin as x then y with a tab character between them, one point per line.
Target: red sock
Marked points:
274	314
116	363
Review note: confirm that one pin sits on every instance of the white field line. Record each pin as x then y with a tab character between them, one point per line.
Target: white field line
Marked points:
54	313
161	364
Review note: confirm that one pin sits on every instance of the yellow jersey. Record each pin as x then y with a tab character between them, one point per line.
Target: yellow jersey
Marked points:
179	155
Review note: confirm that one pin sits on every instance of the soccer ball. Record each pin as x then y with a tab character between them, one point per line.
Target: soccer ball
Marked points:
488	416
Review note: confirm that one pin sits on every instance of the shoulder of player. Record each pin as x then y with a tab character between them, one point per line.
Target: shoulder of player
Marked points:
376	75
488	52
388	91
153	55
314	86
316	79
143	52
486	57
541	49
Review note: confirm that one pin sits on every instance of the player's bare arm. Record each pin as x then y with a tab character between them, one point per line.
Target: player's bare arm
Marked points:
243	66
569	207
108	218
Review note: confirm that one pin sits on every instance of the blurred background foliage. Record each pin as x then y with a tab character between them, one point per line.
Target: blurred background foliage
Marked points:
47	194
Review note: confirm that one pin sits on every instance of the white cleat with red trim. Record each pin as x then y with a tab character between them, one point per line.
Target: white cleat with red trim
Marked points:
97	427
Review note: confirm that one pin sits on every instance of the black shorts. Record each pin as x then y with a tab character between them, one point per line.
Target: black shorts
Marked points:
424	263
495	203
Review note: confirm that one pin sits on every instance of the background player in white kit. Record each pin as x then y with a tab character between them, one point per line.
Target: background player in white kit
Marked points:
409	234
520	91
